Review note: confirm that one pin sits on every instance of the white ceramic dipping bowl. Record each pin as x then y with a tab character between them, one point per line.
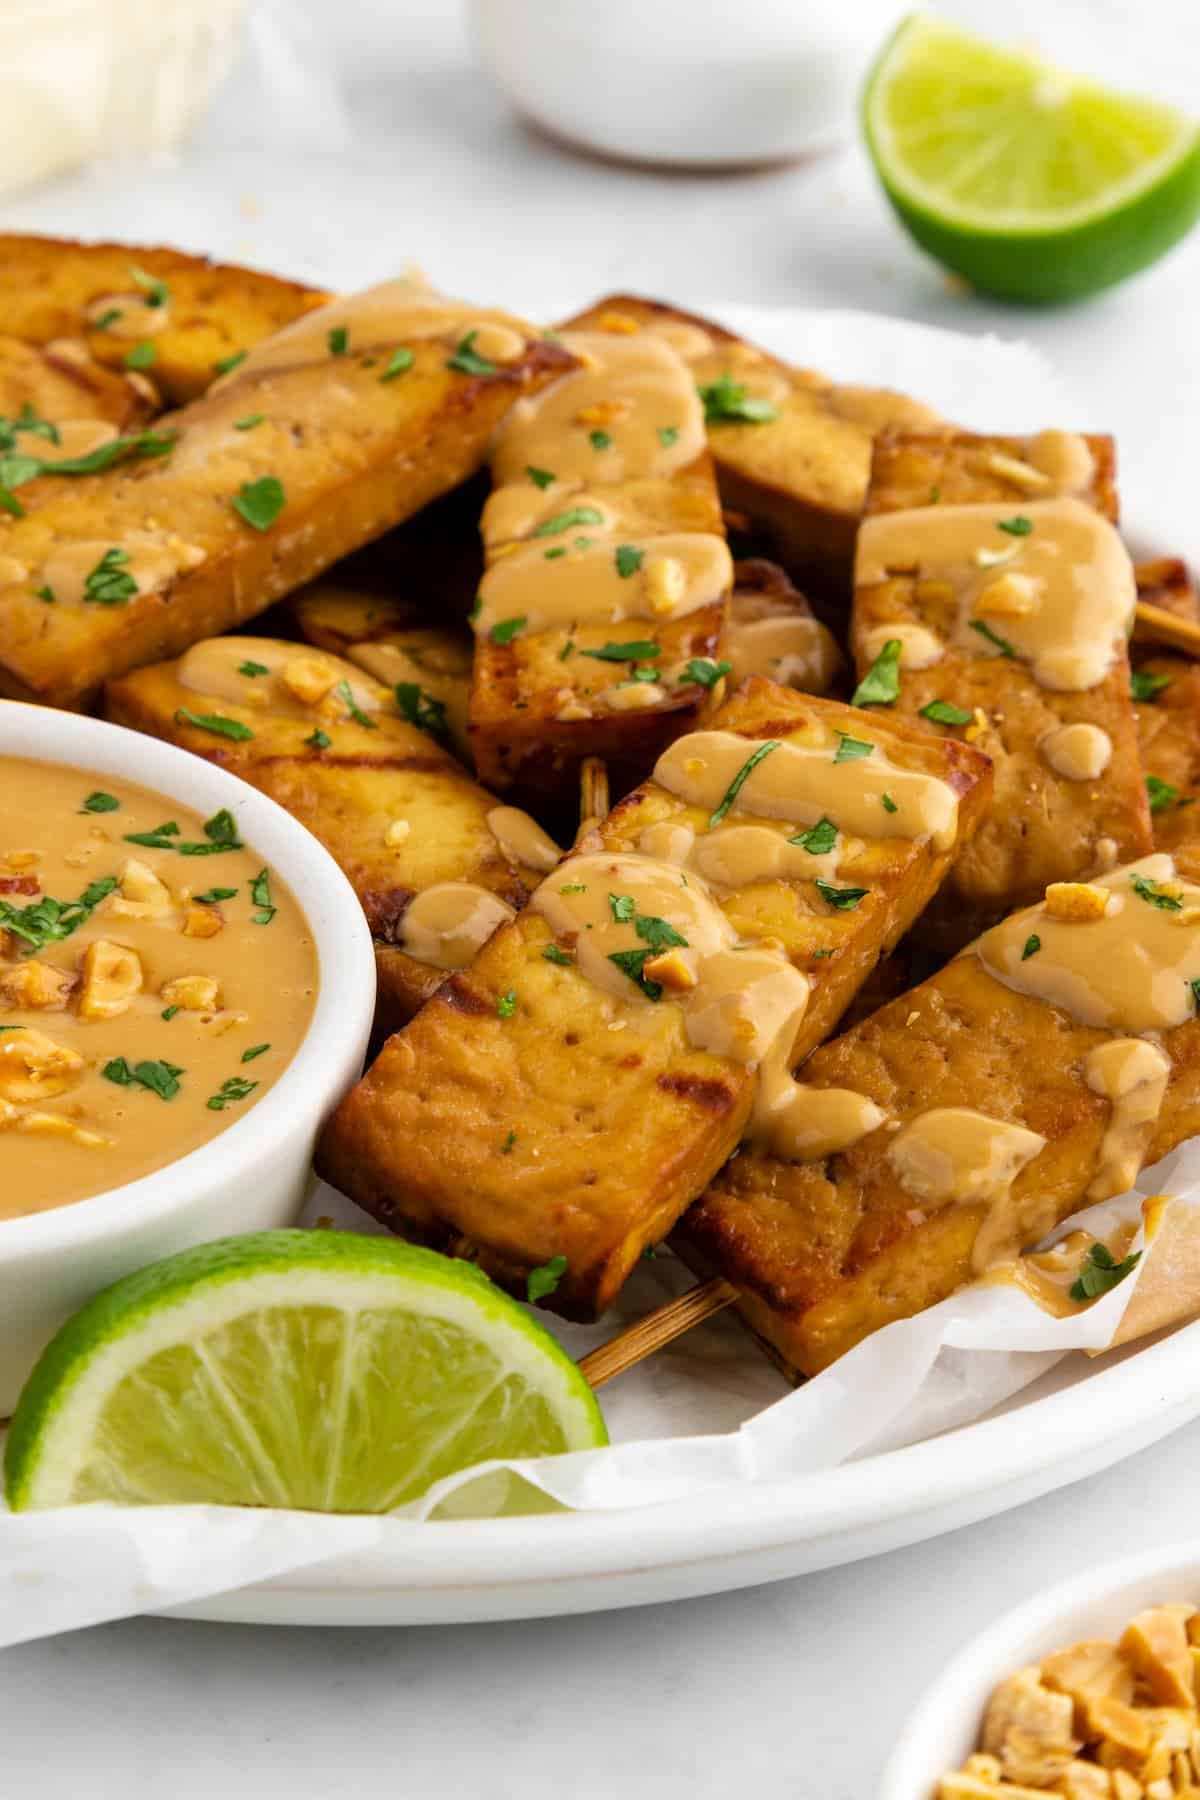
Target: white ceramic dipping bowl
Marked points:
944	1730
252	1175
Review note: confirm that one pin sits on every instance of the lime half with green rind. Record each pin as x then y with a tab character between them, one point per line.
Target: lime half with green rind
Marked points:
1032	184
312	1369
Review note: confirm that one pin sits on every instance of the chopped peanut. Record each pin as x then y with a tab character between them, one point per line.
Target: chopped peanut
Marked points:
22	859
665	582
1010	596
618	323
396	833
1076	900
308	678
497	343
672	969
574	709
932	592
112	975
603	412
1030	1729
1124	1785
34	1067
142	895
1083	1781
1156	1643
1092	1670
58	1125
191	993
1021	474
974	1787
36	985
980	723
202	921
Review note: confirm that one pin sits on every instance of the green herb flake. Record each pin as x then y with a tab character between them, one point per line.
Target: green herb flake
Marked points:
466	362
48	921
1160	793
506	1005
637	650
727	402
100	802
398	363
553	954
338	340
600	440
45	593
1017	526
566	650
993	637
841	899
574	887
553	555
1100	1273
110	583
668	435
506	1146
345	694
563	521
142	356
235	1088
260	894
253	668
260	503
157	292
850	749
889	805
254	1050
819	839
229	363
704	671
157	838
505	630
1144	686
217	723
318	740
743	775
623	907
629	560
249	422
1194	986
161	1078
541	478
1153	895
1031	946
212	895
541	1282
880	686
107	319
632	963
168	1013
423	710
944	712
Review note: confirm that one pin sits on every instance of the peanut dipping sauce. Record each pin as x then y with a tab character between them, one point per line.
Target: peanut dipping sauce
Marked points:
124	1040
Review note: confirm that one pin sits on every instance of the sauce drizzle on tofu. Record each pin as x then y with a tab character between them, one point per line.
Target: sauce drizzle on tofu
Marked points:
133	979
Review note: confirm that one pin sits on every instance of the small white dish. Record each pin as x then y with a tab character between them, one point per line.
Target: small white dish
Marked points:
725	84
944	1730
251	1176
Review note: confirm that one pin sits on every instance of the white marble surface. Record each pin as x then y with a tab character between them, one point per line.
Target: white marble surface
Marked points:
795	1690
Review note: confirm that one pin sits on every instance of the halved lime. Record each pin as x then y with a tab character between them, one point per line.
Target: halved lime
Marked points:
1033	184
311	1369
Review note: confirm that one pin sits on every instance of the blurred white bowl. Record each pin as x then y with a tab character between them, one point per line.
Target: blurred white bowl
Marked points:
703	83
251	1176
944	1730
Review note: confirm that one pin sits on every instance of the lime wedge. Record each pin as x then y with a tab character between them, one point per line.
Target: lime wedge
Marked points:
311	1369
1033	184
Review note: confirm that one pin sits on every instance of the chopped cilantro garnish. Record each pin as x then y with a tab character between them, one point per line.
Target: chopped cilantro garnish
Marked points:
728	402
254	1050
1145	686
236	1088
1032	945
397	363
574	887
48	921
157	292
227	363
212	895
553	555
249	422
168	1013
508	1143
600	440
743	775
1101	1272
1153	895
217	723
637	650
541	1282
944	712
157	838
850	748
260	894
563	521
467	362
819	839
566	650
623	907
668	435
345	694
506	1005
1017	526
100	802
889	805
993	637
422	710
541	478
704	671
505	630
1161	794
843	899
46	594
110	583
141	356
107	319
553	954
880	686
161	1078
632	963
629	560
318	740
260	502
338	340
253	668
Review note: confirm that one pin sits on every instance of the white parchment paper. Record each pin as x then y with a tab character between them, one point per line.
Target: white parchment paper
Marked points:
710	1411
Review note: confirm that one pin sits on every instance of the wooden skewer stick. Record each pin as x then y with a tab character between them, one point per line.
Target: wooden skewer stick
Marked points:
1156	625
662	1326
594	800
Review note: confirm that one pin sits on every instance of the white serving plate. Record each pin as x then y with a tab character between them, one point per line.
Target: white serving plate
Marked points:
1081	1418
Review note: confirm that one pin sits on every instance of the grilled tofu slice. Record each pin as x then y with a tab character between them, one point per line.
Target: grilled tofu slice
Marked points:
774	633
61	385
1166	694
792	449
398	814
196	314
428	667
603	605
328	434
562	1099
1016	1085
993	564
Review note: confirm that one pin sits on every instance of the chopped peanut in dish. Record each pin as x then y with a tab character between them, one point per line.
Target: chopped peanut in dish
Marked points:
1096	1721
